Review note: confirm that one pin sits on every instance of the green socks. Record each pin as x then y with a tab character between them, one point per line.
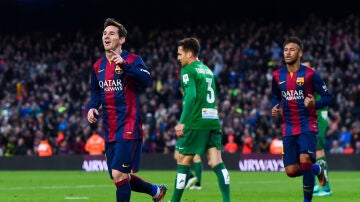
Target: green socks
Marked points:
198	167
223	177
180	182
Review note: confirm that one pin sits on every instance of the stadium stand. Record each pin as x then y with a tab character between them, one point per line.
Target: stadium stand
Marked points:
45	80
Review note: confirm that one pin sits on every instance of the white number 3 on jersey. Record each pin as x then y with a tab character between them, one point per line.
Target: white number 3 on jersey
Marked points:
210	98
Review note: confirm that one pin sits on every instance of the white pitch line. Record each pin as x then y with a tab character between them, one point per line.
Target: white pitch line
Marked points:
76	198
110	185
55	187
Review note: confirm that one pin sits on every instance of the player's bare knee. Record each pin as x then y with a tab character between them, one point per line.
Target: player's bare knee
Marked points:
197	158
120	176
213	162
292	170
291	174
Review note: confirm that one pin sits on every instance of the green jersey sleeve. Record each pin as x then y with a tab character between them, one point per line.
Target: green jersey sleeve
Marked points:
321	113
189	88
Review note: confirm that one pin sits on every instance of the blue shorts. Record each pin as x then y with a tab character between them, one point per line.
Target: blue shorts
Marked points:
295	145
123	156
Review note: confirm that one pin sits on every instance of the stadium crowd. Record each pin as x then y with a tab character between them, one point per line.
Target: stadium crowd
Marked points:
45	83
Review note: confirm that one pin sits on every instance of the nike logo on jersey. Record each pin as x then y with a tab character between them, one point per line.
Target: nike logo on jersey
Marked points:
281	82
100	70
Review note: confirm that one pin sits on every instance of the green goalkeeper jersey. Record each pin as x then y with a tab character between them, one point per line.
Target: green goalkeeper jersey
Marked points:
199	101
322	114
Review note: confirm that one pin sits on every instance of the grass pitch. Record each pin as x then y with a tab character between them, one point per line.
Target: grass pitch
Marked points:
49	186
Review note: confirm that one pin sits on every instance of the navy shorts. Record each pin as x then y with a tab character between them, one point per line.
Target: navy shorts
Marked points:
295	145
123	156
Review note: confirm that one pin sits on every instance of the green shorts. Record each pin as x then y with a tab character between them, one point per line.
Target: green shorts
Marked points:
199	141
321	136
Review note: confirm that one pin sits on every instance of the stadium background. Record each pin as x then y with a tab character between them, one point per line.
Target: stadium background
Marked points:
48	47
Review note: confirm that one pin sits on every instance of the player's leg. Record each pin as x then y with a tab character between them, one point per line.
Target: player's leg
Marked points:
297	164
138	184
123	189
321	159
318	147
213	155
307	147
184	154
308	176
119	168
325	189
291	156
191	180
222	174
198	167
319	171
317	187
190	177
183	167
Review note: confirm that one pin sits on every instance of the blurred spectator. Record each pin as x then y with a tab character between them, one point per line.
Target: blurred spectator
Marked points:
44	149
276	146
231	146
355	133
11	146
95	145
264	146
357	147
344	137
159	143
335	148
247	141
78	146
20	148
63	148
60	138
348	149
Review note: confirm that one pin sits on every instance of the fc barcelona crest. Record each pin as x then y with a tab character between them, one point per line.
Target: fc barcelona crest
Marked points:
300	81
118	70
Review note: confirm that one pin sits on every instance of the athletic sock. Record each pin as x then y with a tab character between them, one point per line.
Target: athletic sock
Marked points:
180	182
316	169
198	167
123	191
223	177
308	180
189	175
139	185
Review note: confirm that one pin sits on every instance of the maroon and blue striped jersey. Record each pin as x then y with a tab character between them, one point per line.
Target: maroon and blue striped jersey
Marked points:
116	89
290	90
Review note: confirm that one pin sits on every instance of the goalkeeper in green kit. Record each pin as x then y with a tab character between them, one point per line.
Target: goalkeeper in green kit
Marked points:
320	152
198	130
